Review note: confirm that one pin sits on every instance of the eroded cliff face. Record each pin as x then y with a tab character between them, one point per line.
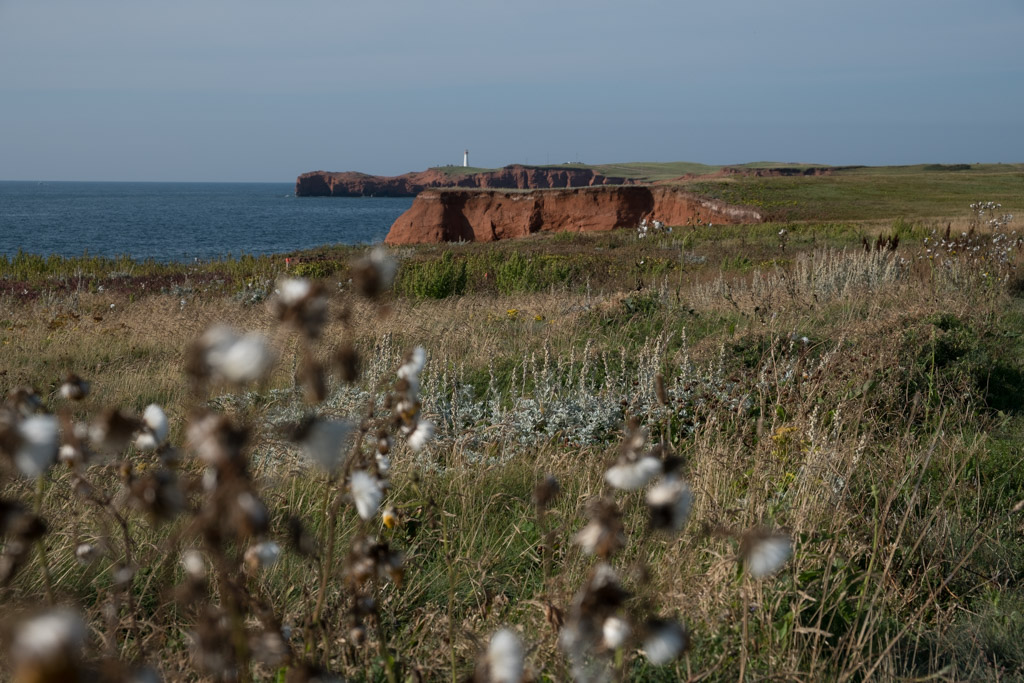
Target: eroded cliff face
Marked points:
488	215
351	184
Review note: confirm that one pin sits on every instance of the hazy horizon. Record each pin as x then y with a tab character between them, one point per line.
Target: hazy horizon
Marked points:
114	90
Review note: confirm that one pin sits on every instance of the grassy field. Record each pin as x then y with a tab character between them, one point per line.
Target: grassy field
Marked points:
856	400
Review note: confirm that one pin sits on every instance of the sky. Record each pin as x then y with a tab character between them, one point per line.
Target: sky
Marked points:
253	90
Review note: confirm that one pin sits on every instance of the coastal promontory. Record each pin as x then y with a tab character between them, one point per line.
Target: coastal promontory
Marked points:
451	215
516	176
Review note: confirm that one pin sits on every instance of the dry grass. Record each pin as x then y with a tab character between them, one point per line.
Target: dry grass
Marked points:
875	445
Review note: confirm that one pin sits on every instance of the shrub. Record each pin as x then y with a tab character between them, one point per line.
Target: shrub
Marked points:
433	279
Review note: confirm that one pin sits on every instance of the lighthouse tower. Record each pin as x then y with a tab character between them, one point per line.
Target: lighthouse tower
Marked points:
465	159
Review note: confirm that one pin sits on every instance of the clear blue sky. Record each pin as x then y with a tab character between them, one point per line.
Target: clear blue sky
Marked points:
262	91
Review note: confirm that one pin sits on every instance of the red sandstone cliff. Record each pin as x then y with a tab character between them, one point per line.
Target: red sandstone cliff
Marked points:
488	215
352	184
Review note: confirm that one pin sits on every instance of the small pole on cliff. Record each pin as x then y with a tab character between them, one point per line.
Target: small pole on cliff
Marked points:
465	159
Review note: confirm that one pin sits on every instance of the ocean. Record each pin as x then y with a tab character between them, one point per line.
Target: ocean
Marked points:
183	221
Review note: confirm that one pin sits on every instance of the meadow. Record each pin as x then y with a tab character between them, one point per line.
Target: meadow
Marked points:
788	451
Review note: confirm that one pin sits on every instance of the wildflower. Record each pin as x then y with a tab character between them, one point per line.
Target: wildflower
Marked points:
505	657
389	517
764	552
74	388
47	647
669	504
262	555
155	428
603	535
366	494
421	434
615	632
665	640
38	441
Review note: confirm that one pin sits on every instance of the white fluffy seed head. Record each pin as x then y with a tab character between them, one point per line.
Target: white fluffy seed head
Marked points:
765	553
505	657
194	564
423	433
366	494
52	635
155	419
664	642
615	632
39	443
413	366
262	554
326	442
675	498
292	290
633	475
249	359
385	265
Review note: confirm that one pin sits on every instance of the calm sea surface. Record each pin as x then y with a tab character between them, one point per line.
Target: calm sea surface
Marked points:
182	221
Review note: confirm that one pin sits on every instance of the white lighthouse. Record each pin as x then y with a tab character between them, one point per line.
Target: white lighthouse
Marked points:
465	159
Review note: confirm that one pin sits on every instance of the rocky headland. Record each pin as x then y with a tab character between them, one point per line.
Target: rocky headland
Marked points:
449	215
353	184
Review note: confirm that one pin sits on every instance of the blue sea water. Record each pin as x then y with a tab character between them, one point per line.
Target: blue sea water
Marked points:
183	221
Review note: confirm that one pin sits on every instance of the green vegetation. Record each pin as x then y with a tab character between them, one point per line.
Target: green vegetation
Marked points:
862	403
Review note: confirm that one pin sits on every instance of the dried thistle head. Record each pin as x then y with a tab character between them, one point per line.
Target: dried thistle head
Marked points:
664	640
300	539
47	646
211	644
113	431
34	444
18	523
633	468
301	304
24	401
374	274
74	388
346	362
157	493
222	354
154	428
669	503
504	661
369	558
314	382
324	442
545	492
261	555
367	493
764	552
216	441
603	535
